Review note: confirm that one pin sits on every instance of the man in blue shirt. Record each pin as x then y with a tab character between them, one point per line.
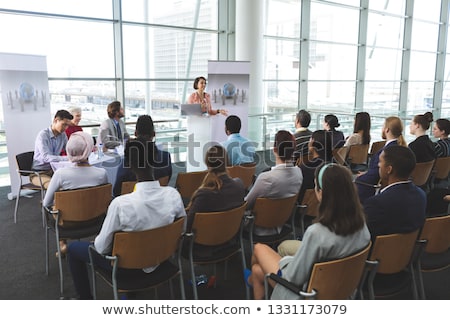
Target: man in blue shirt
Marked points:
48	146
240	150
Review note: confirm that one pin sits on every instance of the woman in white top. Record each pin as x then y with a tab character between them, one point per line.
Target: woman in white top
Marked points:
361	130
80	175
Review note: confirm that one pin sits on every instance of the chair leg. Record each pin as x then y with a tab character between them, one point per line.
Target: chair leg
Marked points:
17	203
61	278
46	251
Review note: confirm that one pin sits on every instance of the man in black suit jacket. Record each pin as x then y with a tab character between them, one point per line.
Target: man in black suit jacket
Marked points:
400	207
161	163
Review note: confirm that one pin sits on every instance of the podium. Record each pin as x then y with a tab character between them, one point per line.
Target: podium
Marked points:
200	136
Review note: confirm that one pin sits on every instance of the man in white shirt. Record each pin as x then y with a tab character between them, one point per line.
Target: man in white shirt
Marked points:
149	206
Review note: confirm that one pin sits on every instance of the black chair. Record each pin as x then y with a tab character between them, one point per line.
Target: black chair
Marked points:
24	170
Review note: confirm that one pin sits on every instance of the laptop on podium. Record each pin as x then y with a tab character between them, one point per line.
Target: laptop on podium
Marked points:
191	109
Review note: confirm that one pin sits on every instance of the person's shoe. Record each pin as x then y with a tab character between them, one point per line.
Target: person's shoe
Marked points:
247	274
63	248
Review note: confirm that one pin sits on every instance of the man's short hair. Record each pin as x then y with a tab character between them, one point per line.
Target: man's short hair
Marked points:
285	144
402	160
139	154
145	126
304	118
63	114
233	124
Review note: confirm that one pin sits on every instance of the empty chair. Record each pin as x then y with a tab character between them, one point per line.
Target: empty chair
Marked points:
331	280
24	170
391	265
76	214
435	254
136	250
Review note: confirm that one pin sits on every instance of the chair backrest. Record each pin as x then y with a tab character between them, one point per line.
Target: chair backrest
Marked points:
311	203
422	172
215	228
393	251
140	249
377	146
83	204
246	173
187	182
358	154
338	279
340	155
436	231
441	168
271	213
25	161
128	186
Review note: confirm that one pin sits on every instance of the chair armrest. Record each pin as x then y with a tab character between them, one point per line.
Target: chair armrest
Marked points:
288	285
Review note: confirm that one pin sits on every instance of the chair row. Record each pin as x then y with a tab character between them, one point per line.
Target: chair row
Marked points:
382	269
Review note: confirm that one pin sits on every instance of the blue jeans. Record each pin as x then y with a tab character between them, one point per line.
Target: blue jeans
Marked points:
78	255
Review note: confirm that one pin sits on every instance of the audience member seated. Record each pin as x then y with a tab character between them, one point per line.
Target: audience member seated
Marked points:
330	123
81	175
392	132
240	150
339	231
320	151
75	111
48	146
361	130
441	130
218	191
302	133
400	206
162	163
282	181
149	206
113	131
438	200
422	146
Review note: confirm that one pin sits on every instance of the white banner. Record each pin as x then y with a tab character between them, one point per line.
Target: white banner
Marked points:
25	101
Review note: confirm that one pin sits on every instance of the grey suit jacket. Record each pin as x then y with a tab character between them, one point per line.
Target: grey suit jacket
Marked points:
109	136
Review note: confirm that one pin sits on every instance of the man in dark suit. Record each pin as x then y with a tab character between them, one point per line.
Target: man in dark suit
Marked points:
162	162
400	207
365	182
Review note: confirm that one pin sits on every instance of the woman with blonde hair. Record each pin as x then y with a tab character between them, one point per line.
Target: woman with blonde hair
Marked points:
392	132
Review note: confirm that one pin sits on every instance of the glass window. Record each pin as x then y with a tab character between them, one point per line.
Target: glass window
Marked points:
427	10
283	18
420	97
85	8
332	23
332	62
422	66
172	12
383	64
165	53
395	7
385	31
334	96
281	94
424	36
381	98
282	59
73	48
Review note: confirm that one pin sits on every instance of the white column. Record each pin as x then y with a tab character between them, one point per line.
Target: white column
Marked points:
250	47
